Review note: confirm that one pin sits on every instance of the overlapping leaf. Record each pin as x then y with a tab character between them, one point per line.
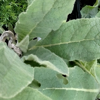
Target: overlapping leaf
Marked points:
41	17
81	85
47	58
14	74
97	72
30	1
90	11
98	14
23	45
89	66
29	94
75	40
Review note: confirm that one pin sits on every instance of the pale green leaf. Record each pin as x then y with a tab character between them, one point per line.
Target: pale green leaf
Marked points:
81	85
32	43
75	40
98	14
89	66
47	58
90	11
97	72
30	1
29	94
23	45
42	16
14	74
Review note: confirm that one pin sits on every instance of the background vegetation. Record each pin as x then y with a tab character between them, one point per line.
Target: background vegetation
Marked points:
9	11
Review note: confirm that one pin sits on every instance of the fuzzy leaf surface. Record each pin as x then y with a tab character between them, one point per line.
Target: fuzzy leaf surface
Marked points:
90	11
47	58
41	17
75	40
97	72
23	45
29	94
14	74
81	85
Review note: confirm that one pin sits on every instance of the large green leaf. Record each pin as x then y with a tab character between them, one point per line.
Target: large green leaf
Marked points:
14	74
29	94
75	40
81	85
97	72
47	58
41	17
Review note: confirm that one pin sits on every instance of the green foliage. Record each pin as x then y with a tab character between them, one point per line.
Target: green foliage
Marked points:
63	65
9	11
39	24
22	73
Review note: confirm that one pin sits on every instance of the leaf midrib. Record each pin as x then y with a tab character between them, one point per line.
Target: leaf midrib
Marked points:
41	19
61	43
74	89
